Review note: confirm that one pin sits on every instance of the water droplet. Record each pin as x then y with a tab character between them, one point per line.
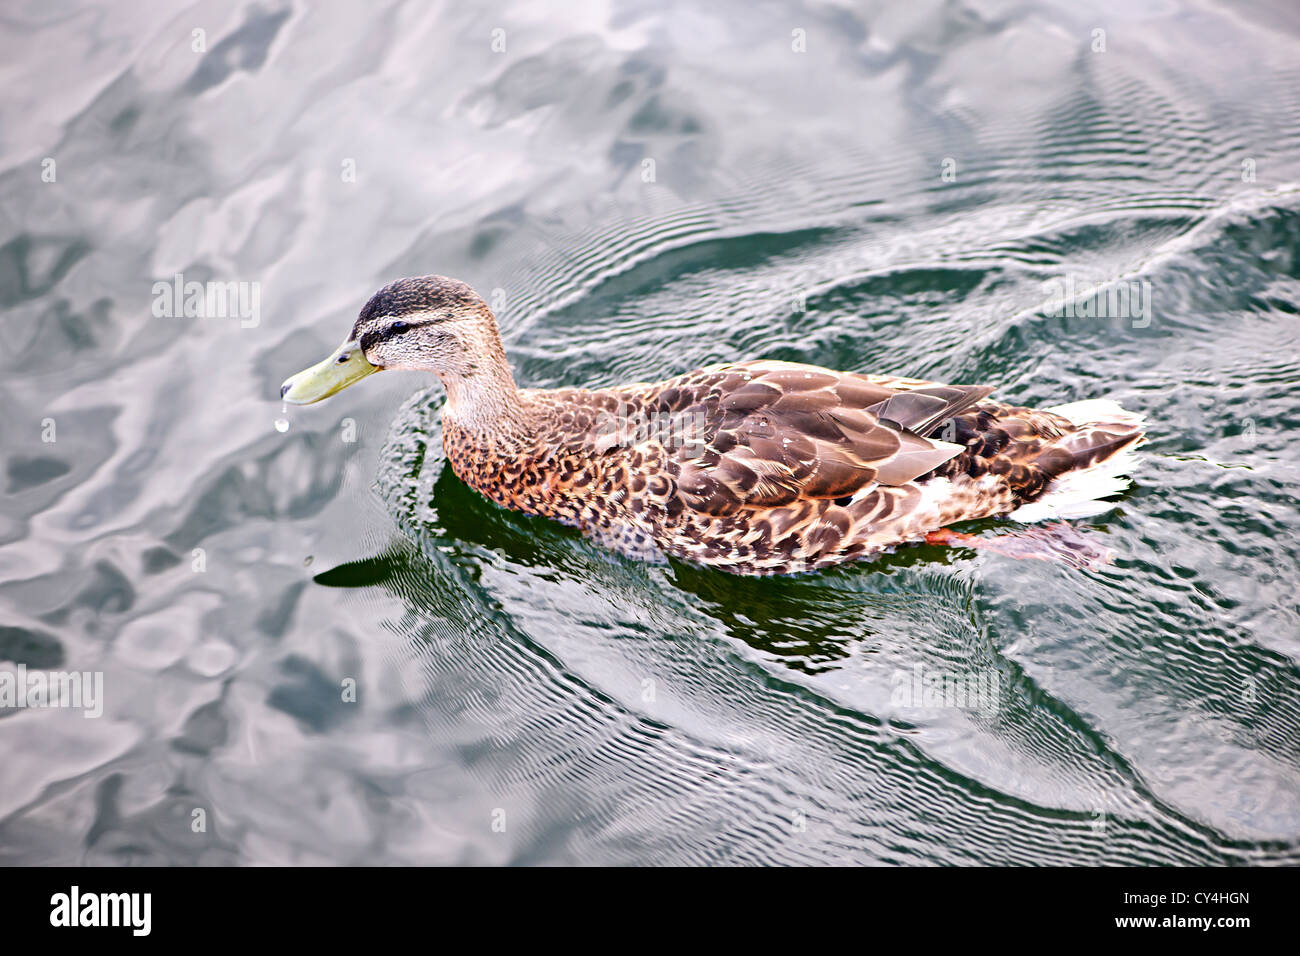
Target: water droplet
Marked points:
282	424
306	562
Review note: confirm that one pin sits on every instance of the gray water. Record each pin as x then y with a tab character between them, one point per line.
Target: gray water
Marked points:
318	646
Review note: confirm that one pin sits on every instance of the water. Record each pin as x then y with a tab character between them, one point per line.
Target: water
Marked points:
319	638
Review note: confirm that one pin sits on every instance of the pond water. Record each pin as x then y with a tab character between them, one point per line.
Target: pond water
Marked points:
317	645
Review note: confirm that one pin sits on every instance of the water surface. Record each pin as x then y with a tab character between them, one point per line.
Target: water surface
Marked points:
640	189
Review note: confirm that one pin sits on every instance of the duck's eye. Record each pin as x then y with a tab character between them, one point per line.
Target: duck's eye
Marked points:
399	326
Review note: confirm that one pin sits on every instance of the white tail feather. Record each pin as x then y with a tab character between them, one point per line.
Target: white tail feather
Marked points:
1096	411
1079	494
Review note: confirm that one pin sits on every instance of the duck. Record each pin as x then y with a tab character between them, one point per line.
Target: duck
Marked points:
753	467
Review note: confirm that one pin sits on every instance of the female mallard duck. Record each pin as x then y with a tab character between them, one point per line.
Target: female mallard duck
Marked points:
755	468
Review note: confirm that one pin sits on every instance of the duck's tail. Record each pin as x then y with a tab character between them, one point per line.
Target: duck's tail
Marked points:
1099	457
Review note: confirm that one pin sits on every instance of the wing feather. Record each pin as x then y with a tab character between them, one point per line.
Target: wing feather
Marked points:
774	433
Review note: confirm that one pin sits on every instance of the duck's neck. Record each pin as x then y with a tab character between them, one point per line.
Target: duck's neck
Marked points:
483	400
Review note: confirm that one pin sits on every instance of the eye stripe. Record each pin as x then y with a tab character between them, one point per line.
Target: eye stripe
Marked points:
390	329
398	326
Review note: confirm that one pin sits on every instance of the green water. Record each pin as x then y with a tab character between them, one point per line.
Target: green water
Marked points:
902	196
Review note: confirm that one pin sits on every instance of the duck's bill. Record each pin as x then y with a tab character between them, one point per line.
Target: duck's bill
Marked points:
346	365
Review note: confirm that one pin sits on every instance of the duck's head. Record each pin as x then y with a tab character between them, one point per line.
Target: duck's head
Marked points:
430	323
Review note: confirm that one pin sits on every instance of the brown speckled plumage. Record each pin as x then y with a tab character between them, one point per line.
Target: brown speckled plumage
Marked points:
793	473
756	468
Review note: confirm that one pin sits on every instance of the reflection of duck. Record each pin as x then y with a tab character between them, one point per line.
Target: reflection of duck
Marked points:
757	468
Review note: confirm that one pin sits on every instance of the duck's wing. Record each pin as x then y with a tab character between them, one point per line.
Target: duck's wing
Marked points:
765	434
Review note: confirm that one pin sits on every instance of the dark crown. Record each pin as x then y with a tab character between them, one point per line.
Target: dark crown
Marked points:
415	295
